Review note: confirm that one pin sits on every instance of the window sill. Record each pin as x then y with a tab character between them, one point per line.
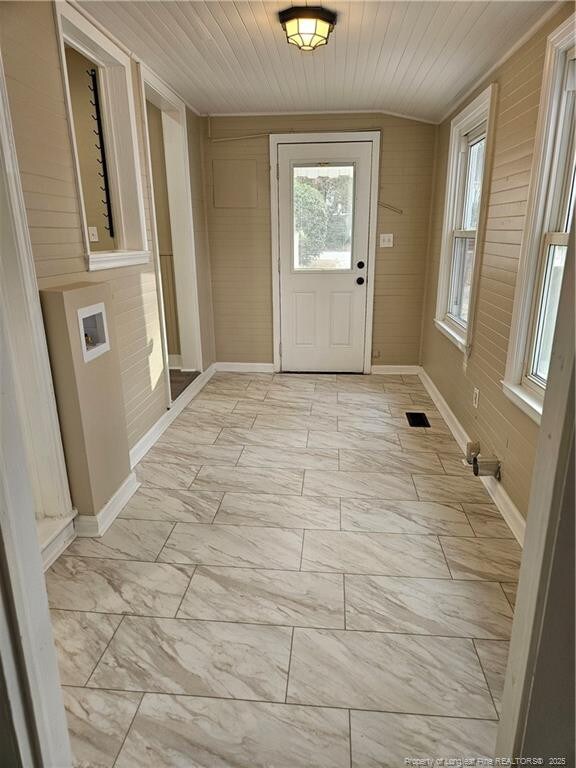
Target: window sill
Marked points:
458	339
524	399
112	259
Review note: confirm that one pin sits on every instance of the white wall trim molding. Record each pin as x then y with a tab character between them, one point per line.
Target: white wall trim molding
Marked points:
54	535
119	117
508	509
175	361
147	441
397	369
19	298
245	367
175	134
97	525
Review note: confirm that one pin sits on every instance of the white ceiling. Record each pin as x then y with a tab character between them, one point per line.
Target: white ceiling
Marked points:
412	58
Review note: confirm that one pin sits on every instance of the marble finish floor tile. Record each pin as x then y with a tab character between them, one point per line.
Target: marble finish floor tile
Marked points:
279	511
427	607
372	423
185	732
394	462
378	484
455	465
450	488
493	656
80	640
273	407
200	658
165	474
116	586
424	442
373	553
290	598
324	423
510	591
386	740
360	441
249	480
125	540
364	400
233	545
289	394
396	673
427	517
97	723
177	506
484	559
289	458
287	438
178	438
487	521
347	411
212	455
220	420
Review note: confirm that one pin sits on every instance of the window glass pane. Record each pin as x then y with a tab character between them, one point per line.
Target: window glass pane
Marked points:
461	278
323	200
473	186
547	311
85	100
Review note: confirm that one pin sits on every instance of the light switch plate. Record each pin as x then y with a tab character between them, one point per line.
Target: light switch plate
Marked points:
93	234
387	241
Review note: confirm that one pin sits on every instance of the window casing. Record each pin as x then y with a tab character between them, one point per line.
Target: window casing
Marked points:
545	241
462	215
113	70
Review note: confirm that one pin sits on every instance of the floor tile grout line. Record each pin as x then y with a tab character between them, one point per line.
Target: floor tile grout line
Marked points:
350	735
311	627
185	591
165	542
342	708
485	678
302	550
344	600
289	665
104	651
446	558
505	594
128	730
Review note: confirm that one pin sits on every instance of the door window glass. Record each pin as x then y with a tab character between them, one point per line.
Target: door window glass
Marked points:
323	205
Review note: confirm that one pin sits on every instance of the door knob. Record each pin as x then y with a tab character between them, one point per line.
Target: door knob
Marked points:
360	280
360	265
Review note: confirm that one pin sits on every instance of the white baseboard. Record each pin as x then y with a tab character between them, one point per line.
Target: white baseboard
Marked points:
397	369
245	367
175	361
147	441
97	525
54	535
508	509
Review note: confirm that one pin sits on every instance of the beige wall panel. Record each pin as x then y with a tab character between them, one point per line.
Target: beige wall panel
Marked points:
240	247
36	94
500	425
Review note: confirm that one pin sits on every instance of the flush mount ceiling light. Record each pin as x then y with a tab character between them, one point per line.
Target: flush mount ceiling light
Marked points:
307	27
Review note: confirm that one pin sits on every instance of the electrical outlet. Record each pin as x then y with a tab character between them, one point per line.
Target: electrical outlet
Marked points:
475	397
93	234
386	241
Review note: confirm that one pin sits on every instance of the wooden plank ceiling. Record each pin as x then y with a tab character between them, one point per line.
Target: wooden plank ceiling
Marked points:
410	58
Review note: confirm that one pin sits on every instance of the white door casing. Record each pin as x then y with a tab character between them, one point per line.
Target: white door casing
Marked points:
322	316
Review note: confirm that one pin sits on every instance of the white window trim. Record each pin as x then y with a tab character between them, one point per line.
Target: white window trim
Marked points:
479	110
527	398
119	117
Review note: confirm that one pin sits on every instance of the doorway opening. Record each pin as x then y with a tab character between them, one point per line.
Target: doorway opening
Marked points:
173	235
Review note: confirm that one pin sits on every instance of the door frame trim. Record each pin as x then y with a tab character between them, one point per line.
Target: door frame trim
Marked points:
276	139
182	224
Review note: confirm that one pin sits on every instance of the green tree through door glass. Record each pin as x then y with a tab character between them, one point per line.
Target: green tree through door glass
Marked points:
323	203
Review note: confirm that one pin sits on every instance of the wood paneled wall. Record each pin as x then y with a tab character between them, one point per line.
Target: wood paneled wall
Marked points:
499	424
28	40
240	248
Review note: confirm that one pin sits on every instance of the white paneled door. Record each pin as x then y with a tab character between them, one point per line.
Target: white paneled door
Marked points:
324	206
